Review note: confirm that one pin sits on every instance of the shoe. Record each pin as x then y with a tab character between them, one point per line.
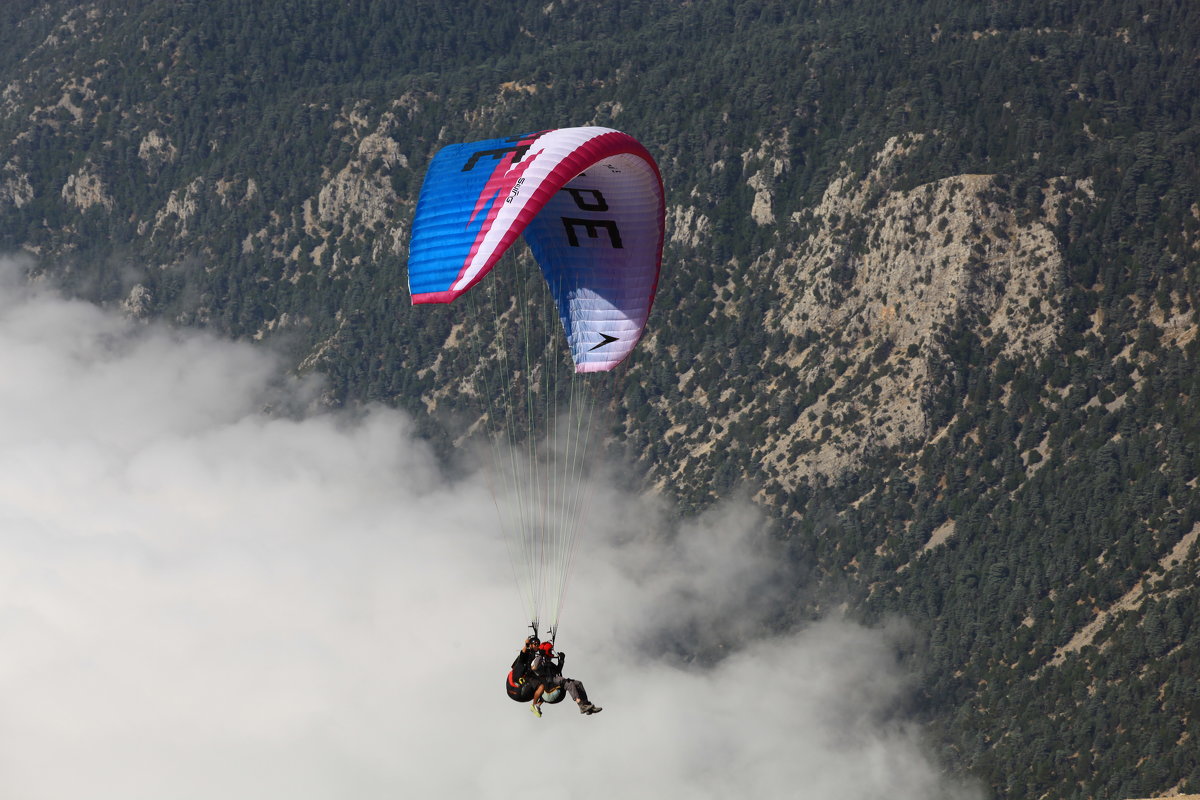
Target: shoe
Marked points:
537	711
588	708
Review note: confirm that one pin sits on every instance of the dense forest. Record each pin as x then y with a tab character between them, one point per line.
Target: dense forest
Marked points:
1014	471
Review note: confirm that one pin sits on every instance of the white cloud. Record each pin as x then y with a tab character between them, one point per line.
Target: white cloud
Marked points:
201	600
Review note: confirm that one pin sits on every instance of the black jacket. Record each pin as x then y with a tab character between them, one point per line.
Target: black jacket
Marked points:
520	667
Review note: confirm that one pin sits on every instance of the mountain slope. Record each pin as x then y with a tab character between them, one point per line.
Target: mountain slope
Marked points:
929	294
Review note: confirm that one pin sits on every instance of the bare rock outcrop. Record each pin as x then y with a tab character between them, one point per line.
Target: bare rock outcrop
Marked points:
359	200
85	189
15	189
883	276
868	287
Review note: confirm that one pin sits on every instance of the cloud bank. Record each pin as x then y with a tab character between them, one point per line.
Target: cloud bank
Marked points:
201	599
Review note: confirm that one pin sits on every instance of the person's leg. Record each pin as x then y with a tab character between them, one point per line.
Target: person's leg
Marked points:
579	695
536	705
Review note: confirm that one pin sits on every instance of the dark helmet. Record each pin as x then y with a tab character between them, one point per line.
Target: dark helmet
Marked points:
533	640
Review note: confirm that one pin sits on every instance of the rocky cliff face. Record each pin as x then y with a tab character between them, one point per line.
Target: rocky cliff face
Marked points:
359	199
885	274
863	299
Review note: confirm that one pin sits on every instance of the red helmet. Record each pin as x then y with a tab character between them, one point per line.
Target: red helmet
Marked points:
546	647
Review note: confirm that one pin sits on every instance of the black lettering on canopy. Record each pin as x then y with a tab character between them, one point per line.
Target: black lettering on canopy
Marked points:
593	228
518	149
520	146
598	203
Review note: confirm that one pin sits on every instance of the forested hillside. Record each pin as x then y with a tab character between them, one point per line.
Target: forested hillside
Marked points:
929	292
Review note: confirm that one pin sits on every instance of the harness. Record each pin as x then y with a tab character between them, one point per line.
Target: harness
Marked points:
519	689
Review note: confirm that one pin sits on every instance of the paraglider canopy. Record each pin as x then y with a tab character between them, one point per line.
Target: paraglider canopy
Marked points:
590	204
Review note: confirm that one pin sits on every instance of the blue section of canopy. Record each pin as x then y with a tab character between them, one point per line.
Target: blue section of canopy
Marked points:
449	218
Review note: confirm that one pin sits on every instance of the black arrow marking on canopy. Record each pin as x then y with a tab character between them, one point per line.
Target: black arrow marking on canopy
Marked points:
607	339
